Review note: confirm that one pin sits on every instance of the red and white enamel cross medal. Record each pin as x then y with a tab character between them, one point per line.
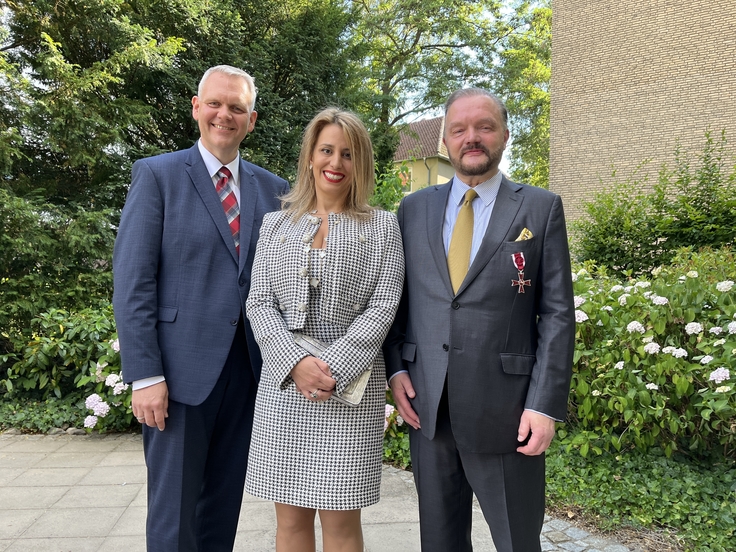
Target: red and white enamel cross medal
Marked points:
520	263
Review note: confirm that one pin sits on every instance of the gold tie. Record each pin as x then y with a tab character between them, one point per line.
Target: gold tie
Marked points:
458	256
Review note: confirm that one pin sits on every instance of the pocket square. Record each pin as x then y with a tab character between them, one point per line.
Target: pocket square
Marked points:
526	234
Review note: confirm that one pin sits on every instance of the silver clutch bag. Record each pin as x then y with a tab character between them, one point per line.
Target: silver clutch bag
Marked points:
354	392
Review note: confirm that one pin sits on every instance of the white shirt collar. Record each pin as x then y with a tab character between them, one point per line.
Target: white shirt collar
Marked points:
487	191
213	164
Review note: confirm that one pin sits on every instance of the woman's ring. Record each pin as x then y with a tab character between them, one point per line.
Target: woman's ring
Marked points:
313	394
141	419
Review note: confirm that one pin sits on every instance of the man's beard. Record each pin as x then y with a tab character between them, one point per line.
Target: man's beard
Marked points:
492	161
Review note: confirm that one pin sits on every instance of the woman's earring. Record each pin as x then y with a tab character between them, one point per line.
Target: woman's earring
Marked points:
310	166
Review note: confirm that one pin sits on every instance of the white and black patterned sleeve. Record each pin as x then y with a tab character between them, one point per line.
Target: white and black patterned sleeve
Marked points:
276	342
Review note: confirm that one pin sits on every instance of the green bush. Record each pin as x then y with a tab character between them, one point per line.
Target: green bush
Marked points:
50	257
73	354
655	359
693	502
632	230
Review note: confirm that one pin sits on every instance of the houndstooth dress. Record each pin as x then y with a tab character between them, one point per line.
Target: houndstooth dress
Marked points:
322	455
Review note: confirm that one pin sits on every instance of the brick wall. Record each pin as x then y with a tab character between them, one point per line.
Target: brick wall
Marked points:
628	79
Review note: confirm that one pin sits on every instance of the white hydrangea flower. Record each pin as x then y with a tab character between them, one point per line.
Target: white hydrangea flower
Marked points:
119	388
90	421
643	284
651	348
706	359
599	323
723	389
635	327
101	409
659	300
719	375
628	288
579	301
652	386
574	277
112	380
719	342
648	339
725	286
582	272
732	327
93	400
580	316
715	330
617	288
115	345
648	294
692	274
693	328
622	299
669	350
656	270
679	353
595	393
608	308
619	365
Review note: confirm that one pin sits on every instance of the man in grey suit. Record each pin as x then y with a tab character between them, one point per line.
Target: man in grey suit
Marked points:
182	265
480	355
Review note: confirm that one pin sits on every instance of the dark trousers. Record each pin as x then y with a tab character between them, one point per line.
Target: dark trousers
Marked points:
196	466
509	488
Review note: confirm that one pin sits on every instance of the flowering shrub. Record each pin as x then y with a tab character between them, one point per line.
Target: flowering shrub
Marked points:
71	352
654	359
395	436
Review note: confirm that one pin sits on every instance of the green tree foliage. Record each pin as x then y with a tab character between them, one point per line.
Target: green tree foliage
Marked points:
413	54
522	79
50	256
107	82
632	230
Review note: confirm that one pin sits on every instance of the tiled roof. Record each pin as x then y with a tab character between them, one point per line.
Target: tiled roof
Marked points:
422	139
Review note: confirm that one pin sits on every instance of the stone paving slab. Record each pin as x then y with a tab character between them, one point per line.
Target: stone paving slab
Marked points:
79	493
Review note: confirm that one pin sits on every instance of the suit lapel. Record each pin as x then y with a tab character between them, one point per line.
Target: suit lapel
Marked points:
508	203
248	200
436	203
202	181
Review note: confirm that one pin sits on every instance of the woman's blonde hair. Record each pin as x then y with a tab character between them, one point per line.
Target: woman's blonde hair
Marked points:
302	198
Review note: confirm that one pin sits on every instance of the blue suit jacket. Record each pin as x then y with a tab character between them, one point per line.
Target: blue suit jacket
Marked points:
180	287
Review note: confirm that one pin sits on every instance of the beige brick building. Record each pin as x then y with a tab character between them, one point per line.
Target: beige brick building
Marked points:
628	79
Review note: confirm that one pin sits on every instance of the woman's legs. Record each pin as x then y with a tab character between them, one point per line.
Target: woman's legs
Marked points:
341	530
294	528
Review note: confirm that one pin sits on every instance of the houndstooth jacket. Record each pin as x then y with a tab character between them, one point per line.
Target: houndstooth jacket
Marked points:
362	274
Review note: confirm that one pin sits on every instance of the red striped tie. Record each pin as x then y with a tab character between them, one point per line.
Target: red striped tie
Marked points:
229	203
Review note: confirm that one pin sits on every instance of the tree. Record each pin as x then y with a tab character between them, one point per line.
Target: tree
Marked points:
108	82
414	53
522	79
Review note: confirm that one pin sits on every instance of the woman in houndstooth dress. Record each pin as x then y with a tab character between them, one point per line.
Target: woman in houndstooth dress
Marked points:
332	268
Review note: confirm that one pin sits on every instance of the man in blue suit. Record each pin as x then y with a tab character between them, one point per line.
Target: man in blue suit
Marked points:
182	266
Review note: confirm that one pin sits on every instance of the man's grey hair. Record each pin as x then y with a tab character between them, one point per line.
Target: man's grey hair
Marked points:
233	72
474	91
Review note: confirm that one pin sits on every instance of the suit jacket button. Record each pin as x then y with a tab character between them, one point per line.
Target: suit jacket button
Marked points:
455	305
445	347
233	322
241	282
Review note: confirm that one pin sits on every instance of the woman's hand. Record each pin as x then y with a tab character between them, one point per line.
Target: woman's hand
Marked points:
313	379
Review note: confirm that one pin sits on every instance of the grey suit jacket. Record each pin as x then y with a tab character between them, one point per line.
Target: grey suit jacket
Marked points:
499	350
180	287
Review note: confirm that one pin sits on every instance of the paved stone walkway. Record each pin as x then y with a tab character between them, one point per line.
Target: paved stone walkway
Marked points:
80	493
